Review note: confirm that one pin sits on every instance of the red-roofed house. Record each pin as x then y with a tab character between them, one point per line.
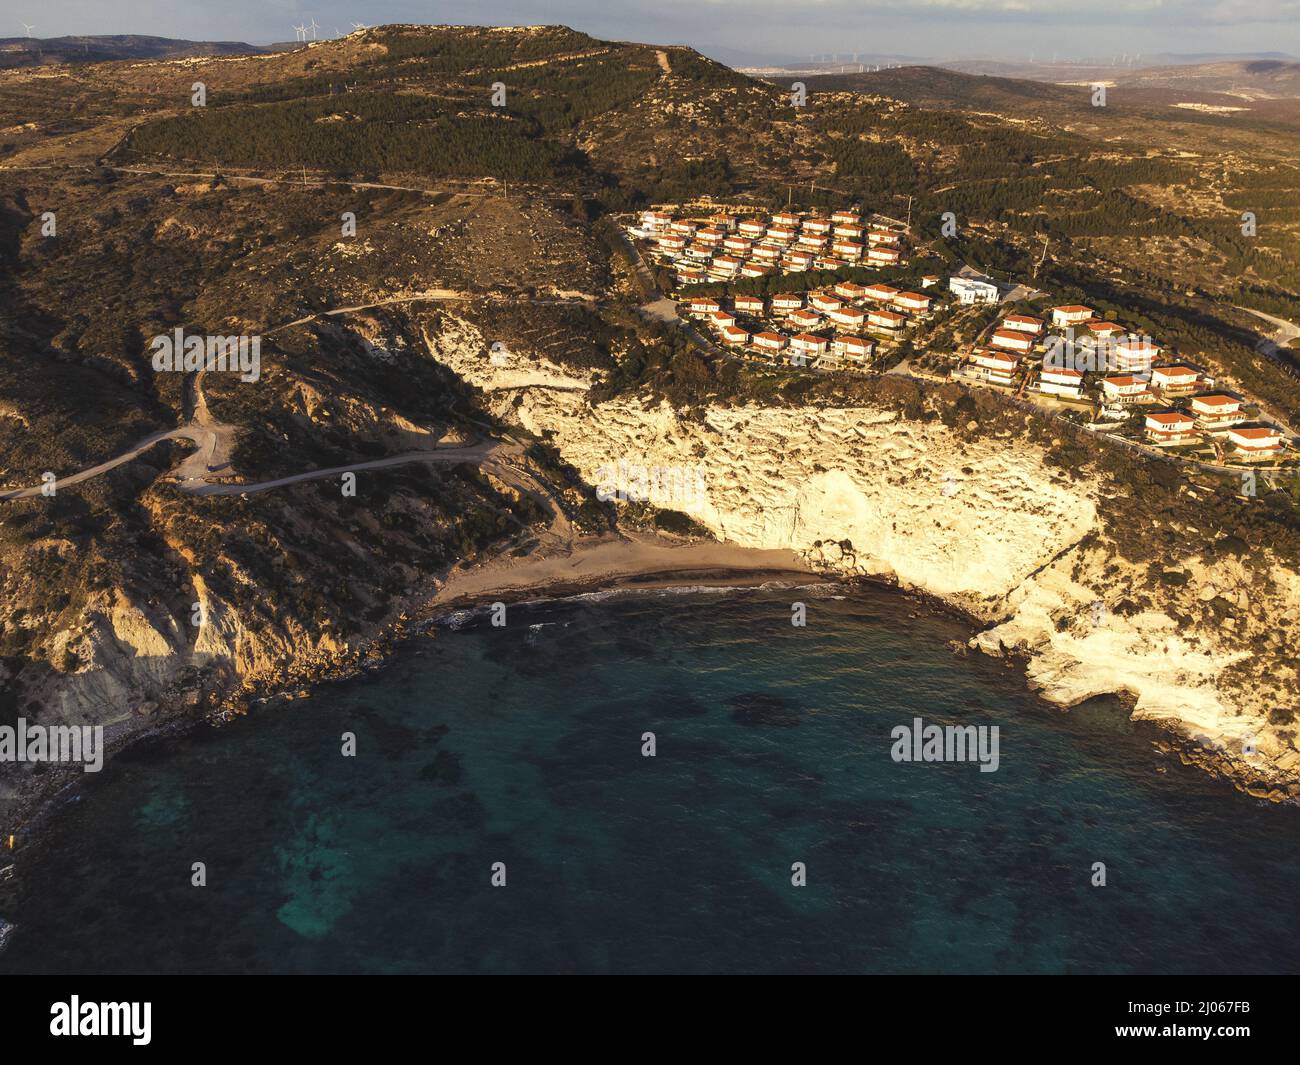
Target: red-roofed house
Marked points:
1174	380
881	293
734	335
805	319
1135	354
1074	314
1125	388
808	345
882	255
853	348
825	302
1260	442
1023	323
913	302
879	319
851	290
785	302
1216	412
995	367
1010	340
703	305
750	305
1061	381
1098	327
769	341
848	317
1171	427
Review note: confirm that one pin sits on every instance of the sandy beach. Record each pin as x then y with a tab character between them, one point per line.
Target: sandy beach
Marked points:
640	559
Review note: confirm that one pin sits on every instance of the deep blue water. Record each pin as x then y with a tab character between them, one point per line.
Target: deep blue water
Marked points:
522	745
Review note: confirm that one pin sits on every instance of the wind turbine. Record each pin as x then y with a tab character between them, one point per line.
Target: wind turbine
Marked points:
28	29
300	32
314	28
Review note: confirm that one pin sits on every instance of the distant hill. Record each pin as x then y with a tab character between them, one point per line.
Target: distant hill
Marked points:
36	51
926	86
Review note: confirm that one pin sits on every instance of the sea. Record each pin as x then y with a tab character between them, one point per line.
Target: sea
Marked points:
663	781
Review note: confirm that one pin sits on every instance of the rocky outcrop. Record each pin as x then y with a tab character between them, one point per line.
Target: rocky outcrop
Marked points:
984	524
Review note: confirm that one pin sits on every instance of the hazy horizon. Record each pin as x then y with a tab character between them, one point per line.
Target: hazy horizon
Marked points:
745	30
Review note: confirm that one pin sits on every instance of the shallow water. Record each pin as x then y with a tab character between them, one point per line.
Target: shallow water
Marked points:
523	745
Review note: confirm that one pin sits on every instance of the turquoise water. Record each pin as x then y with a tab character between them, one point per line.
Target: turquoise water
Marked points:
523	745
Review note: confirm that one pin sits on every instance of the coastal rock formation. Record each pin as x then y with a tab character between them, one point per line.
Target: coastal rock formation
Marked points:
985	524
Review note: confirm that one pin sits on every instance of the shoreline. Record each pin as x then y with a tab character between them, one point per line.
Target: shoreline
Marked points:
626	561
622	562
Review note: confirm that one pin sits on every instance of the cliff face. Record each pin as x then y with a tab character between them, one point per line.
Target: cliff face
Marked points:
986	525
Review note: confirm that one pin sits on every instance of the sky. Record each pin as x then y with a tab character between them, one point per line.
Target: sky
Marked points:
733	30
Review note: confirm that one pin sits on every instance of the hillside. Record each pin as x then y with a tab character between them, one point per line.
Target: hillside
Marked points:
473	347
47	51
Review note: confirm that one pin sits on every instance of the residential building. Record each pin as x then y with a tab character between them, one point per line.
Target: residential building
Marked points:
1256	442
879	319
995	367
1125	388
1023	323
1061	381
769	341
754	305
853	349
848	317
1216	412
1175	380
912	302
1010	340
972	290
1134	355
808	345
1074	314
1171	427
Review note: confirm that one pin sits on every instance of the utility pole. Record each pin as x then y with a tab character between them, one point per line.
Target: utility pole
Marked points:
909	213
